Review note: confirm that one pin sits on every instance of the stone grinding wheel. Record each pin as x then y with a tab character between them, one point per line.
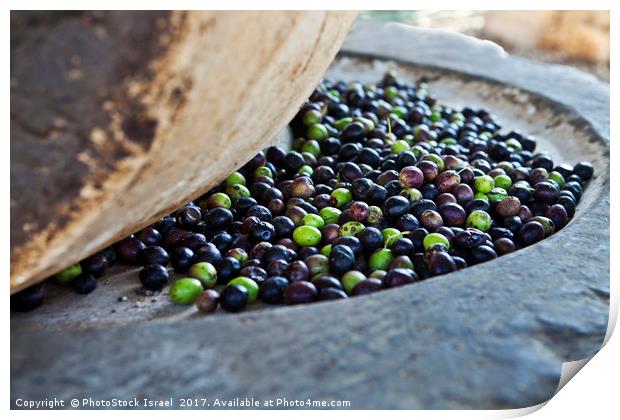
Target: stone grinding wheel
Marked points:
118	118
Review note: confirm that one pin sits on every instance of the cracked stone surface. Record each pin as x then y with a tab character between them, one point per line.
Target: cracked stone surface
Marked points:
491	336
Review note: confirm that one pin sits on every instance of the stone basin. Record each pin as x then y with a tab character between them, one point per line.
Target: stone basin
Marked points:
491	336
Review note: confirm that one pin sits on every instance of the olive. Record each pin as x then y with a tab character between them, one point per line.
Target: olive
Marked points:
331	293
341	259
376	195
399	277
402	246
154	277
234	298
297	271
223	241
467	176
410	177
432	239
218	199
149	236
447	180
504	246
96	265
366	286
358	211
383	187
469	238
239	254
574	188
326	281
301	187
568	204
546	192
479	219
499	232
546	223
482	253
375	215
340	197
350	279
513	224
272	290
263	231
444	198
261	212
350	172
277	267
28	299
380	259
584	170
396	206
129	249
250	285
227	268
307	236
254	272
300	292
154	254
431	220
207	301
188	216
110	255
558	215
477	204
429	169
205	272
370	238
276	252
420	206
453	214
185	290
208	253
530	233
407	222
191	240
508	206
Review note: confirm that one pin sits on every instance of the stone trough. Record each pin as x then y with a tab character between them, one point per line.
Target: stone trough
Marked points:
491	336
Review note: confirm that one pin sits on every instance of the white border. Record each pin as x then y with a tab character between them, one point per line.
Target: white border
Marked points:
593	393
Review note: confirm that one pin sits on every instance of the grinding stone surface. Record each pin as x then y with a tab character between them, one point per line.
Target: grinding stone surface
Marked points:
492	336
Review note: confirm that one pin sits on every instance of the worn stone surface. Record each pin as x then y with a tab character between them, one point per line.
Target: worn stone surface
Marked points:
492	336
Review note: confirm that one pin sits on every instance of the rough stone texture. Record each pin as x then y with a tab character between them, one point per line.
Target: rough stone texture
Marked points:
491	336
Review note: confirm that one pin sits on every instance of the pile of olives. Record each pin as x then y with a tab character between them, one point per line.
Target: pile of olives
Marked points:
383	187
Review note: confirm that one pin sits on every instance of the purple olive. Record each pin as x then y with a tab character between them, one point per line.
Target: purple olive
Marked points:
447	180
453	214
300	292
410	177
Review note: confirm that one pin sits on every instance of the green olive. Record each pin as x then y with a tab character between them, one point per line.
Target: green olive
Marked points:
307	236
380	259
433	239
205	272
185	290
480	220
65	276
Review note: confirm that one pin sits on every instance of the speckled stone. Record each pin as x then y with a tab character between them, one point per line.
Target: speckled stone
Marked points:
491	336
